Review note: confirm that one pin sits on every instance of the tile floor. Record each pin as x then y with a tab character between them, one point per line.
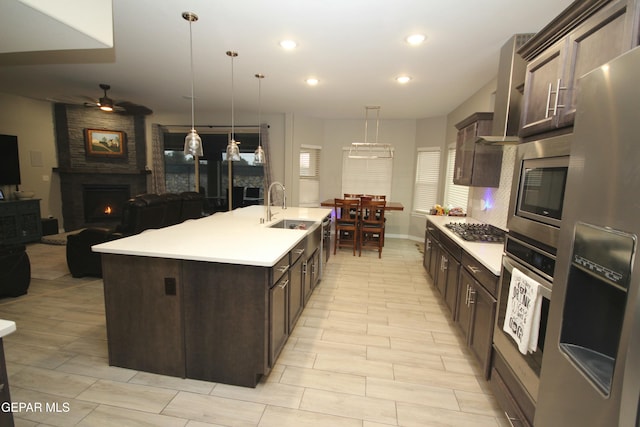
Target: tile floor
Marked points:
372	348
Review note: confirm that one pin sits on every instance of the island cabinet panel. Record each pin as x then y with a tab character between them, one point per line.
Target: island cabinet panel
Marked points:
296	291
143	312
278	318
226	319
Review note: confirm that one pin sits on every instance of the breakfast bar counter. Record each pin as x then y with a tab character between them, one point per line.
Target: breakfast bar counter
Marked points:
212	299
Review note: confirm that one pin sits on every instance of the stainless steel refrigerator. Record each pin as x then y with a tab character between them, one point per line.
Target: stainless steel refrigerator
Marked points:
591	365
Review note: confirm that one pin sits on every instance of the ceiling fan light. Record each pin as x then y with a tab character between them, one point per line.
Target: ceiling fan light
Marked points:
193	144
106	104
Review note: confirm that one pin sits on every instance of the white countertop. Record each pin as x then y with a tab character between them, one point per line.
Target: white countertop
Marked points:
7	327
235	237
488	254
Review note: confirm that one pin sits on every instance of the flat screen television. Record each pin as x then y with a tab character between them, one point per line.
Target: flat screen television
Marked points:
9	160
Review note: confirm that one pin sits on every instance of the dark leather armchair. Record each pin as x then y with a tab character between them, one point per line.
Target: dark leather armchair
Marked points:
140	213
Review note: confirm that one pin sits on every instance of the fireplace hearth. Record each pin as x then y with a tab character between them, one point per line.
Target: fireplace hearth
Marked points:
104	203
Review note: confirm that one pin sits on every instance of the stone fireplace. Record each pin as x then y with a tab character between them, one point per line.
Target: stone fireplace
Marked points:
83	176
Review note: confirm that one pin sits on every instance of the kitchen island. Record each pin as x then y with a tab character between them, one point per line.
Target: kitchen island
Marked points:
211	299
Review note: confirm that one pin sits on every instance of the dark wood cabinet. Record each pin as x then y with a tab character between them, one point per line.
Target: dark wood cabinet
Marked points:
310	272
464	309
20	221
477	164
476	309
451	292
278	318
296	291
585	36
481	329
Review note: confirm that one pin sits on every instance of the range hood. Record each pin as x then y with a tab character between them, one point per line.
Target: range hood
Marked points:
508	100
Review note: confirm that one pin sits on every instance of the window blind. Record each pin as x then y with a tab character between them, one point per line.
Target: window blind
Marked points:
366	176
425	192
455	196
309	195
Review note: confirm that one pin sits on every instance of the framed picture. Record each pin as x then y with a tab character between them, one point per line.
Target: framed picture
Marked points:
1	195
105	143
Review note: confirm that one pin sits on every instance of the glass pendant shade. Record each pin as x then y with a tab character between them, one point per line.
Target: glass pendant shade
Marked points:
233	152
193	144
258	156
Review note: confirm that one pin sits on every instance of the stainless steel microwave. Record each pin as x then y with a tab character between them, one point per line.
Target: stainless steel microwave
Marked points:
538	191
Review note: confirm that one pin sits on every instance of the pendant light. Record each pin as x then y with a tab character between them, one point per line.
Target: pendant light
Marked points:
258	155
233	152
370	150
192	142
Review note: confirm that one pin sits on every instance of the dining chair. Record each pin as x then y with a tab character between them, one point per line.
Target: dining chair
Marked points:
346	224
371	226
352	196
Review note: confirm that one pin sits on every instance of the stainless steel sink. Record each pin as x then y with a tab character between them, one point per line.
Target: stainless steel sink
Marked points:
293	224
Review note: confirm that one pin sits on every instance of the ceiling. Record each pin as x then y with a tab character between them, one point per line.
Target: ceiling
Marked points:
355	48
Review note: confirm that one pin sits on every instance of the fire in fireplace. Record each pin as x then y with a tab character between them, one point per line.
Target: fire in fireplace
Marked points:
104	203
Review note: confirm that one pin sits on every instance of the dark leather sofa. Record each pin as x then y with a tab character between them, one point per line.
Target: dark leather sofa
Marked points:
143	212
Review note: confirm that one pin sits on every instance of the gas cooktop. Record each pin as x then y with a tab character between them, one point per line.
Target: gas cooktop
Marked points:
485	233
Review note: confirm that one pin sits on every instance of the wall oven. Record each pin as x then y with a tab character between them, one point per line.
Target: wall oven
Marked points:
537	197
537	264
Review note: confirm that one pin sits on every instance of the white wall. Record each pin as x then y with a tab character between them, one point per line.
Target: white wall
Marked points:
32	122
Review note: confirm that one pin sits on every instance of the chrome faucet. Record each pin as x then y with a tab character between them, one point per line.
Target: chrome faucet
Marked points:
284	199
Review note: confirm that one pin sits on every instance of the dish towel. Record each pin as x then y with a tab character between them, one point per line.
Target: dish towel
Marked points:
522	319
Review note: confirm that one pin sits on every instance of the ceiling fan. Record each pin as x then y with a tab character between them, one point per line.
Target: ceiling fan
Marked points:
105	103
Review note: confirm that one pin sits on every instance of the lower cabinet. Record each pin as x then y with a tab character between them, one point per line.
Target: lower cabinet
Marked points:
296	292
278	317
476	312
310	273
468	289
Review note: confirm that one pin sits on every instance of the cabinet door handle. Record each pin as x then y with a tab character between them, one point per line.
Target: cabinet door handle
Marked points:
445	262
548	105
283	269
472	295
555	104
474	270
510	419
284	284
304	267
428	244
466	298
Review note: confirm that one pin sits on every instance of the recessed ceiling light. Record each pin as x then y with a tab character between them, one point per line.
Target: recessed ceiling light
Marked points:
312	81
416	39
288	44
403	79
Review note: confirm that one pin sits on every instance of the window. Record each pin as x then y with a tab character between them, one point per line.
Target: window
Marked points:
309	195
425	193
366	176
455	196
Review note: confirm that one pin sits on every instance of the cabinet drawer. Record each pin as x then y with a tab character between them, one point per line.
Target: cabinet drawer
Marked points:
278	270
451	246
433	230
485	277
298	250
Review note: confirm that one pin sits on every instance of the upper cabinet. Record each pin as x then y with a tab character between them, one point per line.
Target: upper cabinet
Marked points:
477	164
585	36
